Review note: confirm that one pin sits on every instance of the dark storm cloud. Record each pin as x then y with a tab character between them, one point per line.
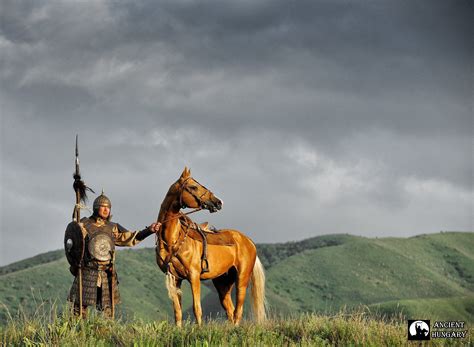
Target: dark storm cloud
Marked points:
366	42
343	116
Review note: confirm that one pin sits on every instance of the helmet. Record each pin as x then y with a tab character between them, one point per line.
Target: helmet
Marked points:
101	200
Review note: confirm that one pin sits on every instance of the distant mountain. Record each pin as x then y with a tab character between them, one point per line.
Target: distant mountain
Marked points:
424	275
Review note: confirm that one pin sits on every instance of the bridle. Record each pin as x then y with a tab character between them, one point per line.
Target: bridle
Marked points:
198	200
183	187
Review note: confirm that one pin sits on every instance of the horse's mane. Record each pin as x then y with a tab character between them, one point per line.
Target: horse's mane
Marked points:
165	205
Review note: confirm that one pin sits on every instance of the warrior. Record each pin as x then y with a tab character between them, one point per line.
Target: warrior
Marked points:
97	278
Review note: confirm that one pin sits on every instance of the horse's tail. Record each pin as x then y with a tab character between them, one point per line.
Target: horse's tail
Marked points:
258	291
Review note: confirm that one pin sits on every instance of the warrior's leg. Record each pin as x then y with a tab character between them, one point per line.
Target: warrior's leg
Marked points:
104	307
77	311
107	312
98	305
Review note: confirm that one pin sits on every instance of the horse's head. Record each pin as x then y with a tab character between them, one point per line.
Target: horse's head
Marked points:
195	195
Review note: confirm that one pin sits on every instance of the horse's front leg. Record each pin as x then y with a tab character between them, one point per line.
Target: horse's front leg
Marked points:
174	290
177	304
196	289
173	285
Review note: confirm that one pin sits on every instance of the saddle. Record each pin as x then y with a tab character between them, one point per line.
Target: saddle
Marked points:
208	235
212	236
208	228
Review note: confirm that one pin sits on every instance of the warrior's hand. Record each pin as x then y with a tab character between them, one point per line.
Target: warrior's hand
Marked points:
155	227
143	234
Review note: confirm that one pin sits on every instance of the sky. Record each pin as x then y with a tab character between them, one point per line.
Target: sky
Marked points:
305	117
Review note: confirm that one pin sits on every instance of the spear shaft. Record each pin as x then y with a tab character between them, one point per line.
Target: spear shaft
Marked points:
77	183
77	216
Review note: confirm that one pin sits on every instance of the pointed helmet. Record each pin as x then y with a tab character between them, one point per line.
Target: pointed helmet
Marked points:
101	200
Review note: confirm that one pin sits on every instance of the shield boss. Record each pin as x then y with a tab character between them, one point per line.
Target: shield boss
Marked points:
101	247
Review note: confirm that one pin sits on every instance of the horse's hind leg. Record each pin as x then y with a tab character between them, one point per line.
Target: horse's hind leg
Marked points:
224	285
243	279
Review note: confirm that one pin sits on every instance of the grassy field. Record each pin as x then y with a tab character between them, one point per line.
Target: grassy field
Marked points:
46	327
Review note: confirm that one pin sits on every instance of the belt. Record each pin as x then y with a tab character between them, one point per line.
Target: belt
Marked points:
99	267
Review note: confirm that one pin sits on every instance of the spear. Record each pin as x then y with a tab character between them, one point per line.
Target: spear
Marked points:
79	187
81	195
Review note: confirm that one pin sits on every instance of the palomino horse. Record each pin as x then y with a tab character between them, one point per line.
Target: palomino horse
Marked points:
179	255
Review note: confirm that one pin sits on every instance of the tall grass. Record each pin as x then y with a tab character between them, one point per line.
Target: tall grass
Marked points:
59	327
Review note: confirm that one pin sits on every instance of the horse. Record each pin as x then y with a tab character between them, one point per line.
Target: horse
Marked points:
178	254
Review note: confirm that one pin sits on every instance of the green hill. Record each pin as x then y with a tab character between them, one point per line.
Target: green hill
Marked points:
427	274
33	261
456	308
366	271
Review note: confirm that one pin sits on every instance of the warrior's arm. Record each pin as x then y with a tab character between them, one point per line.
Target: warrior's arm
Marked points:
125	238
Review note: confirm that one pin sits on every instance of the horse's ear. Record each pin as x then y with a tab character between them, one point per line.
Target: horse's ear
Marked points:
185	173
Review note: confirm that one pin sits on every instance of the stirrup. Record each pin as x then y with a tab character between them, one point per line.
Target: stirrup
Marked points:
204	265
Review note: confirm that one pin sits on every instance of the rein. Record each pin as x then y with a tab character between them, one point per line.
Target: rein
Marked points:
182	214
174	249
157	237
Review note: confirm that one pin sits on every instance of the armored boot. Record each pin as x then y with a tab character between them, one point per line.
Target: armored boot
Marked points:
77	311
107	312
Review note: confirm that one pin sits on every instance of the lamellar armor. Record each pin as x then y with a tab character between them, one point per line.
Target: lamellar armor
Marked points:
99	247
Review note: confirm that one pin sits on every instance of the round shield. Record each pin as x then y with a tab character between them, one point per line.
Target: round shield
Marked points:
101	247
73	243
